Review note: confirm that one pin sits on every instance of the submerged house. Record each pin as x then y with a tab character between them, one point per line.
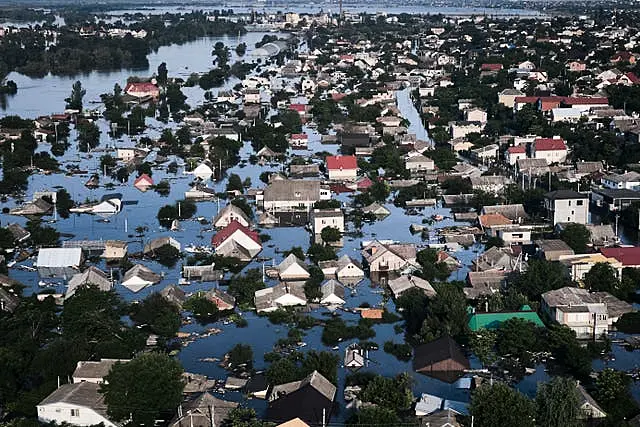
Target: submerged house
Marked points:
231	213
204	410
345	269
59	262
332	293
284	294
292	268
442	359
236	240
92	276
139	277
310	399
479	321
388	256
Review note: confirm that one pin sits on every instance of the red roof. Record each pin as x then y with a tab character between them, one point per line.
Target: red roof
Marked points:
233	226
517	149
299	136
549	144
342	162
337	96
629	256
491	67
300	108
141	87
364	183
526	99
583	100
632	78
144	178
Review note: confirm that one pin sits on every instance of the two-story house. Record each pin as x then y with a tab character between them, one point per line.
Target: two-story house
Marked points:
567	206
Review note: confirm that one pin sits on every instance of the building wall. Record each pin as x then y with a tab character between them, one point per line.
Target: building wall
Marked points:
552	156
571	211
61	413
343	174
321	223
388	259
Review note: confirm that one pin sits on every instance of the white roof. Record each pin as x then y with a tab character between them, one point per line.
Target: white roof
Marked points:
59	257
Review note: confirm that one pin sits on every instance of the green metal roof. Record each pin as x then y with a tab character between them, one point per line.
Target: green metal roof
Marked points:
493	320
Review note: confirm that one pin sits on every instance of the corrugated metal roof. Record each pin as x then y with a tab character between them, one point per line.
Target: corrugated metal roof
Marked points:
59	257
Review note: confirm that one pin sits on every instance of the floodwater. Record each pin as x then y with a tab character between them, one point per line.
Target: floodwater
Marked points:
44	96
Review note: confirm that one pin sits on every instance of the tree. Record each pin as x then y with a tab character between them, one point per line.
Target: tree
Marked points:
241	49
241	356
63	203
557	403
373	416
107	163
500	405
446	313
243	288
518	337
330	234
88	136
482	344
431	268
158	315
322	361
392	393
297	251
541	276
74	102
144	389
318	252
203	309
162	74
612	392
167	255
577	236
602	277
235	183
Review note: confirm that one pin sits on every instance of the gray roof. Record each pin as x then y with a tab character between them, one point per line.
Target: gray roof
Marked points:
615	307
8	300
585	397
373	207
197	411
143	272
265	298
91	276
314	380
292	189
174	294
618	193
484	283
18	232
565	195
330	287
513	212
533	166
625	177
231	209
289	261
406	282
570	296
83	394
95	370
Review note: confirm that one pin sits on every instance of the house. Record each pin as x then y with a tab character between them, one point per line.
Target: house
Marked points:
204	170
532	168
204	410
567	206
514	212
484	283
490	183
142	90
143	182
342	168
628	256
588	407
405	282
18	232
578	265
376	209
475	115
236	240
496	258
114	250
354	357
478	321
36	207
417	163
267	153
257	386
292	268
159	242
516	153
284	294
372	313
622	57
553	249
345	269
626	181
305	170
323	218
92	276
442	418
491	67
576	66
139	277
486	153
310	399
79	404
59	262
129	154
553	150
429	404
388	256
577	309
508	96
332	293
462	129
231	213
292	195
221	299
8	300
614	200
252	96
354	140
174	294
299	141
94	372
442	359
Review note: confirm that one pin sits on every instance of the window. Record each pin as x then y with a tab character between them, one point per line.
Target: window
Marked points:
579	202
75	412
569	202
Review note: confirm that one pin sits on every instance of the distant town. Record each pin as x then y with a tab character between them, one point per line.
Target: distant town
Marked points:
325	215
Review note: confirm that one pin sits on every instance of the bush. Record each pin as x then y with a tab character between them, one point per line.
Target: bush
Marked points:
402	352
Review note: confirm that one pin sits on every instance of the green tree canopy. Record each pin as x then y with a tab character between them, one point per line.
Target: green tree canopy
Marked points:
157	314
557	403
74	101
500	405
145	389
577	236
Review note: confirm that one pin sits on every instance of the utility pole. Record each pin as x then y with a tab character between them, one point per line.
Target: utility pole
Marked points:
617	216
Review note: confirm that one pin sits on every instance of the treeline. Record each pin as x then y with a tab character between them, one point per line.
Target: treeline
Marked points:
30	52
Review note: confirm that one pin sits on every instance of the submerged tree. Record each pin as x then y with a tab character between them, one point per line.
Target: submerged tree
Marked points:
74	101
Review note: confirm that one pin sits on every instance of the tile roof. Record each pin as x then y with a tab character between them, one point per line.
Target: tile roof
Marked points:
628	256
548	144
341	162
234	226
